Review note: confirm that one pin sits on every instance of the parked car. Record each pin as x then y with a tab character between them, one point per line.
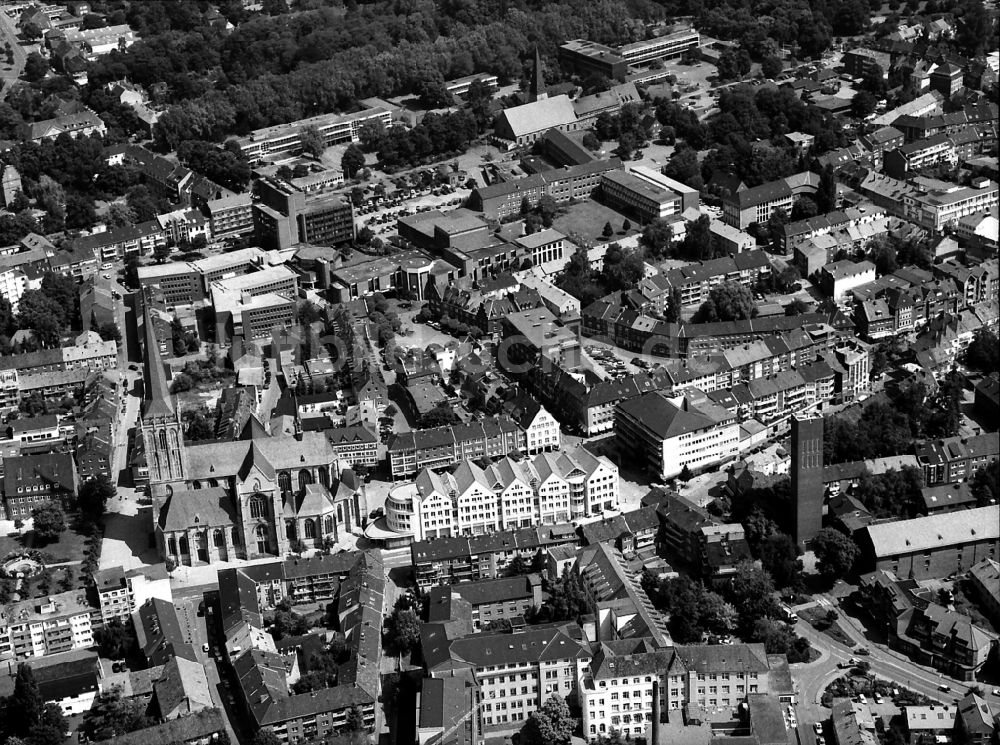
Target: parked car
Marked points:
818	728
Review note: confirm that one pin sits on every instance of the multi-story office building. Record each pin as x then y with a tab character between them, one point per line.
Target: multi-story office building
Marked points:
180	283
550	488
460	86
660	47
286	139
115	594
37	627
669	434
228	216
590	58
643	199
287	215
184	283
252	305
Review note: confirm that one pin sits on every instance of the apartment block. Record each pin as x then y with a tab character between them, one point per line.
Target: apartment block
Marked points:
491	600
516	671
696	281
625	678
37	627
115	594
954	459
410	452
444	561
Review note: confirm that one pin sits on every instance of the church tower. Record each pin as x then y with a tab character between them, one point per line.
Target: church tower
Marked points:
537	88
807	476
160	424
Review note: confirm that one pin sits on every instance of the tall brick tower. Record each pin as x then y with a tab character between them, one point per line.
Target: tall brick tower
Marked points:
807	477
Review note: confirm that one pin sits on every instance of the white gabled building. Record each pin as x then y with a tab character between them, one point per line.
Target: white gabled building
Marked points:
540	428
508	494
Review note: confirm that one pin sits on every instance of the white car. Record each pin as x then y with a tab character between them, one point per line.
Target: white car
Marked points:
204	647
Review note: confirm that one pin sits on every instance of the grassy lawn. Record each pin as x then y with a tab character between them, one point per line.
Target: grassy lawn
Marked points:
587	219
816	617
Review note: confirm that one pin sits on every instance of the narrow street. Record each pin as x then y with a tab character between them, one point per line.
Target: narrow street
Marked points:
8	31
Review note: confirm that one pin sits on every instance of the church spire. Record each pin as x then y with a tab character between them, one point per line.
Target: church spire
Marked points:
157	401
537	89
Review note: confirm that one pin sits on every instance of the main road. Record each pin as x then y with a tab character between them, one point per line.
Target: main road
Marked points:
813	678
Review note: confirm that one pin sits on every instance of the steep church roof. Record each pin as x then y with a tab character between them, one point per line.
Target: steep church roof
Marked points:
253	429
255	459
157	395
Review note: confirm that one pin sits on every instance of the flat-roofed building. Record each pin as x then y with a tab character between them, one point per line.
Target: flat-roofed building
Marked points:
660	47
229	216
41	626
934	546
641	197
536	333
115	594
460	86
543	246
841	277
286	215
180	283
286	139
936	208
588	57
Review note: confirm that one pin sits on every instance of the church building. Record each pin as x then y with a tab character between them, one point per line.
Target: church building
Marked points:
251	497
